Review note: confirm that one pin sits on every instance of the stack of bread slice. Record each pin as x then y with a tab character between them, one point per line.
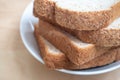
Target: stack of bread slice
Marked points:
78	34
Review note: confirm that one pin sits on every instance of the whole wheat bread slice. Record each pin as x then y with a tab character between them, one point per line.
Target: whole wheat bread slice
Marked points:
55	59
77	51
99	14
86	14
45	9
107	37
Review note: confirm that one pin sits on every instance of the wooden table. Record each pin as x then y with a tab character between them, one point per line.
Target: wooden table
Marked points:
15	61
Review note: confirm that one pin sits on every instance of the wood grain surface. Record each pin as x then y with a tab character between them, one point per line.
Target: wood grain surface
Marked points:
15	61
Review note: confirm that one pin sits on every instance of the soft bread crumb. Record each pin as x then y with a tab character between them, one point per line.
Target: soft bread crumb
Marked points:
87	5
51	48
114	25
76	41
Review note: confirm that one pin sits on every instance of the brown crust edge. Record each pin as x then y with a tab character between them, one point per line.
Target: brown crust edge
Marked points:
60	61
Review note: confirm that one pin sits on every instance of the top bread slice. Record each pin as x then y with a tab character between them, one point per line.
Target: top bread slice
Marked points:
73	15
77	51
106	37
55	59
86	14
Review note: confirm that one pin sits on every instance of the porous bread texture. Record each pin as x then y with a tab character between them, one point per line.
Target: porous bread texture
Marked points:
54	59
79	20
77	53
51	48
45	8
106	37
107	58
73	16
87	5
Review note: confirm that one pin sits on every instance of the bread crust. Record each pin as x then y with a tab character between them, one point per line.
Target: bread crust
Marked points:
76	54
73	19
44	8
86	20
103	37
60	61
82	20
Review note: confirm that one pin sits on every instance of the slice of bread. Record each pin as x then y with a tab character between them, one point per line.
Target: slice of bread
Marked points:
45	9
77	51
91	16
106	37
86	14
55	59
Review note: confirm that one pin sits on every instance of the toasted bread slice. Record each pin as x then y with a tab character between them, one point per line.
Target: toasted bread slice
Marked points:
73	15
55	59
106	37
77	51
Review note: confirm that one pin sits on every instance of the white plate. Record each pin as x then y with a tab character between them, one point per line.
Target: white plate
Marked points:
26	31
